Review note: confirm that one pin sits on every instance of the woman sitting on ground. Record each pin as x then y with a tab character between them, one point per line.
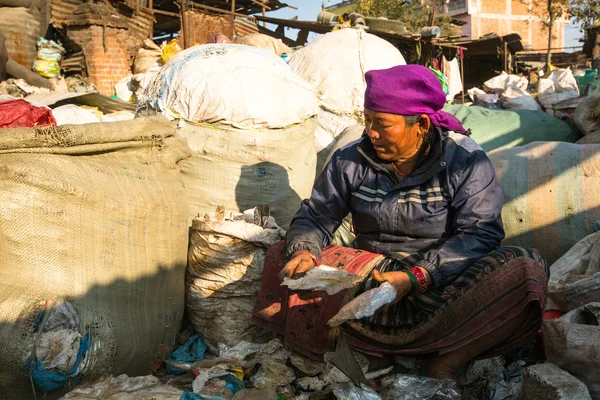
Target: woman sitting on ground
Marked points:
425	206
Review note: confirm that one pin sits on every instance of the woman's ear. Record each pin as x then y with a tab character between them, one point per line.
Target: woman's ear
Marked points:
424	124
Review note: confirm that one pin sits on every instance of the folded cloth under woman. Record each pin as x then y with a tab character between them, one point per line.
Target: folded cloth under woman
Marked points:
425	206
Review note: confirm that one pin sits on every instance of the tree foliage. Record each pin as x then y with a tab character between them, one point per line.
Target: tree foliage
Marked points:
412	13
586	12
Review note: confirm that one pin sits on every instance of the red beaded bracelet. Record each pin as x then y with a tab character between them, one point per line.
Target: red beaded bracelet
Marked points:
421	279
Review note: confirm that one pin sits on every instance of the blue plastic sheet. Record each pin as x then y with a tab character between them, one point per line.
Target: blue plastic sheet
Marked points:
48	380
196	396
192	351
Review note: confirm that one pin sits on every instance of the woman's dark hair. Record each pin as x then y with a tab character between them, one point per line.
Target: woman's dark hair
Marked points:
411	119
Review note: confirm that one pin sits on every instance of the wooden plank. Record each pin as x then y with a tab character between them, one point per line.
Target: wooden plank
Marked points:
168	13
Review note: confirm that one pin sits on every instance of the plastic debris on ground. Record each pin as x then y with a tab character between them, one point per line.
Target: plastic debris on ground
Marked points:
310	383
347	391
273	373
223	380
306	365
323	278
193	350
19	113
257	394
409	387
123	387
491	379
58	352
365	305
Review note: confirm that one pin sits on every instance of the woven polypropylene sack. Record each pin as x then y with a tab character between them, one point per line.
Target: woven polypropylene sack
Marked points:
266	42
240	169
225	266
22	30
499	129
335	65
587	115
220	83
550	194
94	214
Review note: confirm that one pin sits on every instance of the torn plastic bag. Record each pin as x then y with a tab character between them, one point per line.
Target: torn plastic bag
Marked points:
323	278
123	387
310	383
273	373
575	277
20	113
365	305
409	387
193	350
217	371
349	391
306	365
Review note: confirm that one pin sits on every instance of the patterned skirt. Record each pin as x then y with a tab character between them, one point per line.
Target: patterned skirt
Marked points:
490	292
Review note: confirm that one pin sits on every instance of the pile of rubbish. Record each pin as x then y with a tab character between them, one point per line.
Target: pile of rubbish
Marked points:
120	227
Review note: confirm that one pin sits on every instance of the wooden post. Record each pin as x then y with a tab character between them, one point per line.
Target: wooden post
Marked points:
506	56
264	13
184	24
462	72
232	6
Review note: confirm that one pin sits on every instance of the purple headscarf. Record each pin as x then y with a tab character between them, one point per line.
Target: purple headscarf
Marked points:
409	90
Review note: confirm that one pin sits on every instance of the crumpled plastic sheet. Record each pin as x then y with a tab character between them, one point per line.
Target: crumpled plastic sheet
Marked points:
334	375
273	373
410	387
273	349
123	387
204	375
365	305
489	379
306	365
193	350
310	383
349	391
323	278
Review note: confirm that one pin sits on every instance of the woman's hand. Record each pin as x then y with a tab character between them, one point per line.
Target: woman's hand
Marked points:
299	264
398	279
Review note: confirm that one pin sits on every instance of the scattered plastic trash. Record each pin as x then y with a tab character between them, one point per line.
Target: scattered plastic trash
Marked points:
267	393
130	388
193	350
273	373
59	350
346	391
306	365
310	383
365	305
324	278
70	114
409	387
204	378
239	351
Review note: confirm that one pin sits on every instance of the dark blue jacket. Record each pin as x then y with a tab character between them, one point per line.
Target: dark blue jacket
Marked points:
448	208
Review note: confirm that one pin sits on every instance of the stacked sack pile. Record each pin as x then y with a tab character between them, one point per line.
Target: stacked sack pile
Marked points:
335	64
245	153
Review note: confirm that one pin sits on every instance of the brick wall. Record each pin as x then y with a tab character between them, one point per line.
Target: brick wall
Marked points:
105	67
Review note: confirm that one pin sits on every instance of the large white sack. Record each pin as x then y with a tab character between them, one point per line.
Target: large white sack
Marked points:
70	114
587	115
335	65
500	83
575	277
239	169
244	86
95	214
225	266
550	194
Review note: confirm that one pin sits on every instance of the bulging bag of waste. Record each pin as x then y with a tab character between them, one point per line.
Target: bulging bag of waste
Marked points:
335	65
219	83
498	129
571	342
550	194
147	57
123	387
239	168
587	115
226	259
575	277
266	42
93	233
